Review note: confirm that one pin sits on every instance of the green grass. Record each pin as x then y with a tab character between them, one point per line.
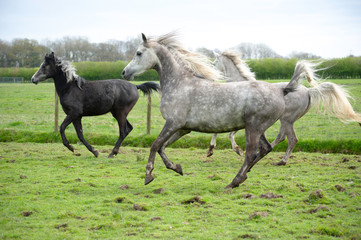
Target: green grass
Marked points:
27	115
82	197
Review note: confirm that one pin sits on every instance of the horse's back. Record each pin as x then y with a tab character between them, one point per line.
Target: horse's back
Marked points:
102	96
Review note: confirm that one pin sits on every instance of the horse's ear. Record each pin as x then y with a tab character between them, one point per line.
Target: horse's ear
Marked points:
144	38
49	57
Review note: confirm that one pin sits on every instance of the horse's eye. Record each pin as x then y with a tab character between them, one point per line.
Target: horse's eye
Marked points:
139	53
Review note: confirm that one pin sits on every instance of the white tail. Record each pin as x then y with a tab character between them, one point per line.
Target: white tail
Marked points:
332	97
335	100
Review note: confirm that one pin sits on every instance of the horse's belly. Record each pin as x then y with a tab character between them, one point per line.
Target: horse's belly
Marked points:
209	123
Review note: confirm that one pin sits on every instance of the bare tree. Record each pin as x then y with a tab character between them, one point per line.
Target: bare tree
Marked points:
303	55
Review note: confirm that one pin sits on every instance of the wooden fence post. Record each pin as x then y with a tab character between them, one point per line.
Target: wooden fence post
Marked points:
149	112
56	114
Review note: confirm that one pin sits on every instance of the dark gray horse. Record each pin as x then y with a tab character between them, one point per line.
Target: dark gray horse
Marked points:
79	98
193	101
334	97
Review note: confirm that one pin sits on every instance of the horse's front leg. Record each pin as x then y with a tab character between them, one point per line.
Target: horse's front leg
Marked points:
79	131
169	164
212	145
63	126
168	130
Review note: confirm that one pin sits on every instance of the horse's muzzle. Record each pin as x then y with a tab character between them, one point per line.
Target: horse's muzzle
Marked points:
33	80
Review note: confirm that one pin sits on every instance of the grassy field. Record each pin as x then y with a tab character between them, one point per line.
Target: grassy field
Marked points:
46	192
27	115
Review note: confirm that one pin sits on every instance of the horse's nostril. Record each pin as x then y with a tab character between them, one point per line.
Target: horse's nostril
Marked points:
123	73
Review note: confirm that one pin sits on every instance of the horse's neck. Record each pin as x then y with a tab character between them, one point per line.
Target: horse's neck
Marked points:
60	82
170	71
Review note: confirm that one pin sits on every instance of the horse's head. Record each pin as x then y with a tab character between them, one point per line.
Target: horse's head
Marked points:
46	70
145	58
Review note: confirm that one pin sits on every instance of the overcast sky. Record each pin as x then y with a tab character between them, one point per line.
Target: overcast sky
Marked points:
328	28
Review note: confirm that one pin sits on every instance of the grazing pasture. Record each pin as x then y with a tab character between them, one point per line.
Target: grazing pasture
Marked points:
47	193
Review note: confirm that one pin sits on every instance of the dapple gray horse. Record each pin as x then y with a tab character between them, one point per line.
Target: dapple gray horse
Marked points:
332	96
192	101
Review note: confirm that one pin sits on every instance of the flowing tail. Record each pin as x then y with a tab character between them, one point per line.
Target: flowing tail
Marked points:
332	97
148	87
335	101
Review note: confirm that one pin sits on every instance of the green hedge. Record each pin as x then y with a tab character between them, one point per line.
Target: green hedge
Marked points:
268	68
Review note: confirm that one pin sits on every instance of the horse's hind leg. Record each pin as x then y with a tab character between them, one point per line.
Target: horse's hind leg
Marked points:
252	140
124	129
169	164
63	126
235	147
292	141
212	145
79	131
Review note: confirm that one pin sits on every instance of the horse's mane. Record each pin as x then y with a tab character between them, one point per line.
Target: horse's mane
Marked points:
69	71
197	63
241	65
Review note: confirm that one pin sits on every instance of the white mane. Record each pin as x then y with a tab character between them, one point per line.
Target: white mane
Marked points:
241	65
198	64
68	69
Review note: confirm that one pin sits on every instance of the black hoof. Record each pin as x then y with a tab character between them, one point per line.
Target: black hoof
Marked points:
96	153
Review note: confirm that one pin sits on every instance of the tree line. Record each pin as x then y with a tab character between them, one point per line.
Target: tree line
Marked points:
21	57
30	53
267	68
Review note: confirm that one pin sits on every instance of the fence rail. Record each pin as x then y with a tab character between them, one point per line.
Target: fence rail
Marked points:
11	80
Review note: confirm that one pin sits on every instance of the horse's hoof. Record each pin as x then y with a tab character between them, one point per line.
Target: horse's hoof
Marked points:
209	153
148	179
231	186
235	183
96	153
178	169
239	151
70	147
280	163
111	155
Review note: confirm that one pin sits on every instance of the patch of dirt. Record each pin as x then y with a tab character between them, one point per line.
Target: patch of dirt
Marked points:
124	187
159	191
321	207
196	199
156	219
316	195
62	226
352	167
248	196
119	199
23	176
258	215
248	236
27	213
300	187
139	207
340	188
344	159
270	195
